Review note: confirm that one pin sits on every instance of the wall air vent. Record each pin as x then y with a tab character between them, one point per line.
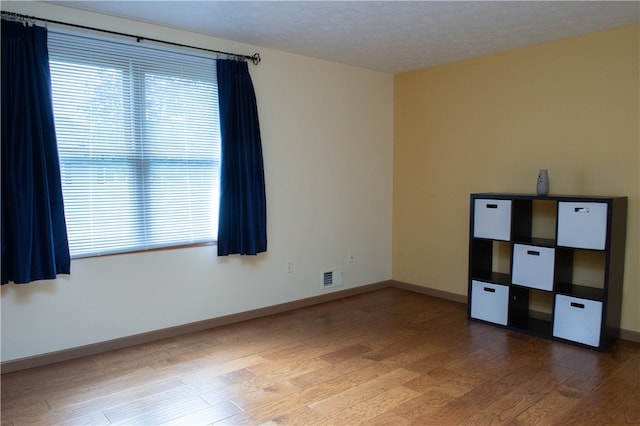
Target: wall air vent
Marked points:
327	279
332	278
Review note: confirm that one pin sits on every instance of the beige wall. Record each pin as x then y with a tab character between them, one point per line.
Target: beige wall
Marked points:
488	124
327	133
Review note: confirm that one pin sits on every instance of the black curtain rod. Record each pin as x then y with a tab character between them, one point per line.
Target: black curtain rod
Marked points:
255	58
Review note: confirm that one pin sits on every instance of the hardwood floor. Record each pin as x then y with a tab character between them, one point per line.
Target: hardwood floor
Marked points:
389	357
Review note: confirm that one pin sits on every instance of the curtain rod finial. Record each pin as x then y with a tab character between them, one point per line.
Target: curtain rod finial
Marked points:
256	59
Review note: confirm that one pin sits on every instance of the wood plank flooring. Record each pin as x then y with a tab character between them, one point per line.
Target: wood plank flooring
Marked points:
388	357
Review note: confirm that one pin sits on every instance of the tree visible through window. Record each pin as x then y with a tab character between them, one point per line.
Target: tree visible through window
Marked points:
139	144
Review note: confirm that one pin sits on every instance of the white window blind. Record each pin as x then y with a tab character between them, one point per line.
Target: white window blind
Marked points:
139	143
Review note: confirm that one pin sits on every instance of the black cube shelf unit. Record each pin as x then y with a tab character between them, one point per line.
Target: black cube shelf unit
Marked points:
550	266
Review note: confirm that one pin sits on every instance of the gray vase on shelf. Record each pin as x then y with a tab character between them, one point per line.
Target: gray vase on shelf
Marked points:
543	182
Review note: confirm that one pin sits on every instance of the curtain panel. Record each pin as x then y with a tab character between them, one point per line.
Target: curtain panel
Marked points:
242	225
34	236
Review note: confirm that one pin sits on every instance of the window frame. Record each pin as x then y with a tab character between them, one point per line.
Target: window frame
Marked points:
141	167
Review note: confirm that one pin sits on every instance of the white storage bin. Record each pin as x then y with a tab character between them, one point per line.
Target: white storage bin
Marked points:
492	219
489	302
582	225
577	320
533	266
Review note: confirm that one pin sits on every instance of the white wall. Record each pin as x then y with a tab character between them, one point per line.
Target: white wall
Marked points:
327	133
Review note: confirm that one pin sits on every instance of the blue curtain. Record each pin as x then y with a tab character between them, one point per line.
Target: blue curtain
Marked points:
242	225
34	233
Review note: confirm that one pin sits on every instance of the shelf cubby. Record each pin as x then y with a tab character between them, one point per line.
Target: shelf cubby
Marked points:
549	265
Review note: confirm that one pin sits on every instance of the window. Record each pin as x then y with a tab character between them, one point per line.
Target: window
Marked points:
139	143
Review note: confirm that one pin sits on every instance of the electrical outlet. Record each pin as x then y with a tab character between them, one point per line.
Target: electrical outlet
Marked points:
350	257
289	266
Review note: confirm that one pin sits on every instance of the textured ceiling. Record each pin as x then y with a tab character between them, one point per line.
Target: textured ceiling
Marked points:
387	36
